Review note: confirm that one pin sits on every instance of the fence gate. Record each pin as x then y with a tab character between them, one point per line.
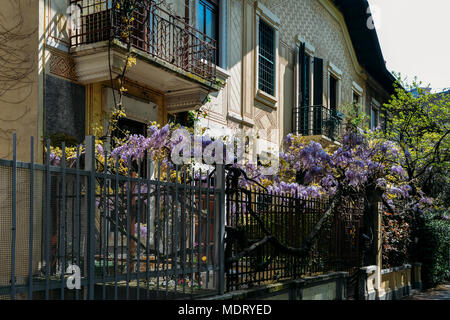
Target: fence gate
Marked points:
97	233
258	221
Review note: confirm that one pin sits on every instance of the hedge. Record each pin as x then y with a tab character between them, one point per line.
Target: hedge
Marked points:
433	247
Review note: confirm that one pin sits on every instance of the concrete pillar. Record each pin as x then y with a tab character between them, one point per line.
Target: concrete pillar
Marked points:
417	276
367	283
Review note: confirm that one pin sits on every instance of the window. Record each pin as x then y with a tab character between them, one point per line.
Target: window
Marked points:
266	57
374	114
305	79
333	92
266	64
374	118
125	126
304	101
334	86
356	98
208	21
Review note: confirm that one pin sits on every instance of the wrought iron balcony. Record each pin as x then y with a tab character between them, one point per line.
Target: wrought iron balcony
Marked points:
154	31
318	121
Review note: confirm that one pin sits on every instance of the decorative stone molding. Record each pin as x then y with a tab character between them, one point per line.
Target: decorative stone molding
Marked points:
62	65
184	100
357	88
335	71
270	17
266	99
92	66
376	103
309	48
233	116
222	74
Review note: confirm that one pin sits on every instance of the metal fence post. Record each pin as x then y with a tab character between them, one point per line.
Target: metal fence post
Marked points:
13	220
30	243
220	218
378	243
90	166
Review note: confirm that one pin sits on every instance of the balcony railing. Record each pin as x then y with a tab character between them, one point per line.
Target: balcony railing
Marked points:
318	120
154	30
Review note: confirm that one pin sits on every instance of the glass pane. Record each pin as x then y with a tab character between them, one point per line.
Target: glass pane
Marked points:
201	17
210	23
333	92
373	116
266	70
355	98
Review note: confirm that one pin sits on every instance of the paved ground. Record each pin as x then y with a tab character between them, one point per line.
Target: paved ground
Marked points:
441	292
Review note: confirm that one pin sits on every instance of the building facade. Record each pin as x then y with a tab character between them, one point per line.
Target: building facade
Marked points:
278	67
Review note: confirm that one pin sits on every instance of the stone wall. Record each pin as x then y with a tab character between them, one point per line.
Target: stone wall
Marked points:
331	286
19	76
64	108
395	283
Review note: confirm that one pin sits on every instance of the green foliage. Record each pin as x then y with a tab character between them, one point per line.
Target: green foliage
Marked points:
220	83
420	124
354	115
433	247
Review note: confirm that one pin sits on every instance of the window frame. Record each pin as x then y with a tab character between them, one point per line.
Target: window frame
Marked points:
264	14
214	4
298	103
359	91
270	60
375	105
336	73
222	29
310	52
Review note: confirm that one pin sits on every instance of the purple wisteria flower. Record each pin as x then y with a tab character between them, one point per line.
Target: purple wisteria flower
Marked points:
397	170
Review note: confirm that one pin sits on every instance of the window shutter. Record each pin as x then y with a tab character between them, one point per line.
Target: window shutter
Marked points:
303	102
318	81
318	95
302	59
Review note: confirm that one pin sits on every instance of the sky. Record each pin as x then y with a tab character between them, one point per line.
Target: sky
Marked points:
415	38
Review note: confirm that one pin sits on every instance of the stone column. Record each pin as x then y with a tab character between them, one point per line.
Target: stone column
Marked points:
417	276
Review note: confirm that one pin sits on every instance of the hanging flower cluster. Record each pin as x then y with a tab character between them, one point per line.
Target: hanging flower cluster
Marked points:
306	168
135	147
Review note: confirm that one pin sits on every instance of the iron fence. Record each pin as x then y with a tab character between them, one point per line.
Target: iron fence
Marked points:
153	30
156	235
318	120
257	216
121	236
